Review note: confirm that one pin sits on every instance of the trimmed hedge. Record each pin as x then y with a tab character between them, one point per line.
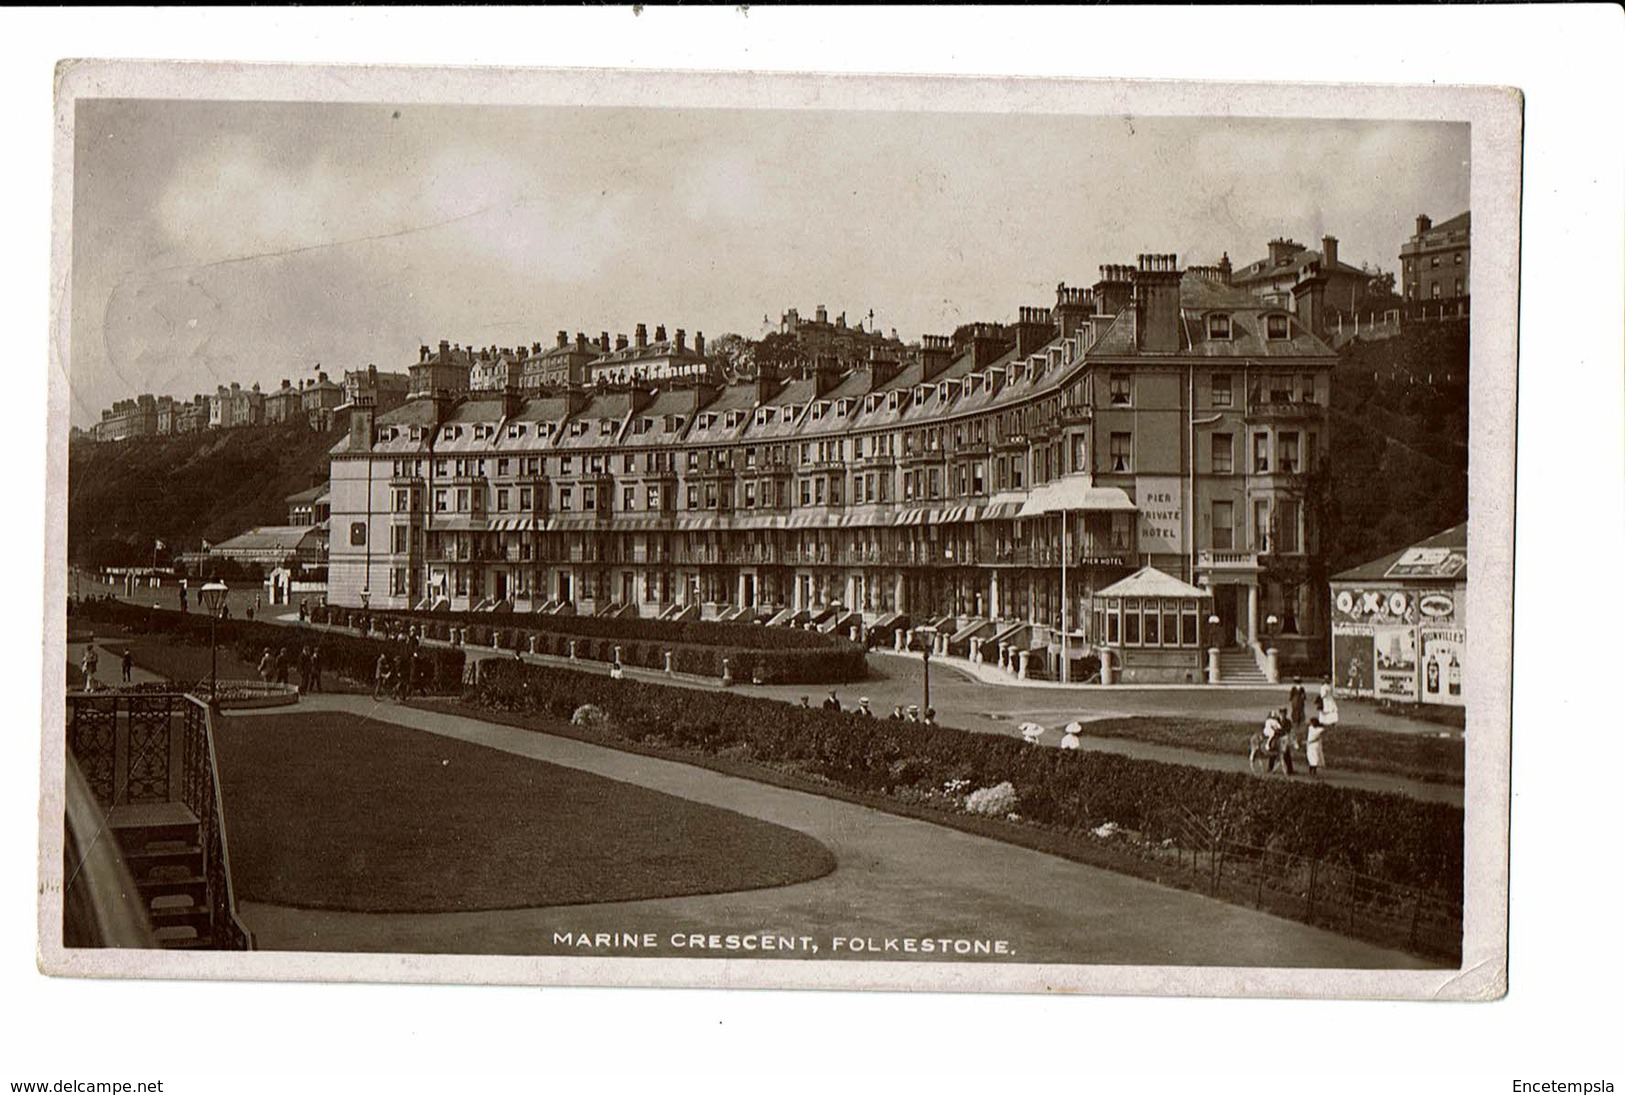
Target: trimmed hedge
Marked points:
753	652
439	670
1389	836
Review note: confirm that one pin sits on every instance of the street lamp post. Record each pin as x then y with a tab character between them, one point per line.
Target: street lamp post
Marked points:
213	596
925	634
1213	648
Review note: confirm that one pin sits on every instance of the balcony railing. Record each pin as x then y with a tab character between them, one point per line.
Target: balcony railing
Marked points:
1227	560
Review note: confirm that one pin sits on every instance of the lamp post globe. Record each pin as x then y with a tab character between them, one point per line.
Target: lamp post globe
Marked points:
213	596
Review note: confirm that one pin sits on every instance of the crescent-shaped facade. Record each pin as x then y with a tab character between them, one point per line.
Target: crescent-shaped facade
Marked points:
1140	463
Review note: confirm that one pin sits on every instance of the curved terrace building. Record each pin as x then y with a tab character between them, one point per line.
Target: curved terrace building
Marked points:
1130	463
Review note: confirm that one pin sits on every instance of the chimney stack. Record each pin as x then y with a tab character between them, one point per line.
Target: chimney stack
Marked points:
821	314
620	340
1309	299
423	353
1225	269
660	333
681	340
1156	303
1328	253
445	350
581	342
699	343
1114	290
1423	224
564	340
642	337
936	354
1035	329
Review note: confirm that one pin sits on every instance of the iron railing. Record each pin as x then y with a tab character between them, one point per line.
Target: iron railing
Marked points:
135	748
1310	890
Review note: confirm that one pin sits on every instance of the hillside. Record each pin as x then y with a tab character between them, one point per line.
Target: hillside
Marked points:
1399	443
124	495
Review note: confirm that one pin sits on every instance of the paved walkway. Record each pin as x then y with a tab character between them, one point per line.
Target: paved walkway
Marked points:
896	878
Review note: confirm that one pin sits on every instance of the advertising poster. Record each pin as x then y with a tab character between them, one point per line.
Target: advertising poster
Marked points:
1352	659
1396	662
1442	666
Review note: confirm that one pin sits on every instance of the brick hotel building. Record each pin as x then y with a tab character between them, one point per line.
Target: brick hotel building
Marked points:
1154	429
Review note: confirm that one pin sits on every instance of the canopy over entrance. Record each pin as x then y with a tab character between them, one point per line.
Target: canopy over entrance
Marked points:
1075	492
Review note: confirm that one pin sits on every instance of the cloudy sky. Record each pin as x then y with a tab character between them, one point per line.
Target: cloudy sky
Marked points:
228	241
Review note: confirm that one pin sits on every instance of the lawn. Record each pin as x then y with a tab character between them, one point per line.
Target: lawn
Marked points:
334	811
1414	756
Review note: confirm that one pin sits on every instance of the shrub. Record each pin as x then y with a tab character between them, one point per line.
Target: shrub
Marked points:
996	801
438	670
771	655
1392	836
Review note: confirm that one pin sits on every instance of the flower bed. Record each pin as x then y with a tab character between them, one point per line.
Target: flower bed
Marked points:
439	670
753	653
1389	836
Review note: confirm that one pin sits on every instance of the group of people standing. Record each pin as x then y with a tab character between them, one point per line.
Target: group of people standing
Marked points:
1281	724
396	675
275	667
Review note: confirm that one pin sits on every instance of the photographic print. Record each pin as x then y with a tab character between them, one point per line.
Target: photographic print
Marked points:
596	528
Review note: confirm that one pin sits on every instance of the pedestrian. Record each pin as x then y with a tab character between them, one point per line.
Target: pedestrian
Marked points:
1326	704
1069	736
896	711
125	663
380	676
864	709
833	703
1281	740
930	716
282	661
913	713
304	670
1314	753
267	666
411	681
249	612
88	665
615	671
403	686
1289	745
315	669
256	604
183	598
805	704
1296	697
1272	730
304	609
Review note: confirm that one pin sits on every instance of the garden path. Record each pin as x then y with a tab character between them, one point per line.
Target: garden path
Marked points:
897	877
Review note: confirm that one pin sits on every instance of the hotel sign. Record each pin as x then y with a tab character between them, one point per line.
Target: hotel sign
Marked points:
1160	501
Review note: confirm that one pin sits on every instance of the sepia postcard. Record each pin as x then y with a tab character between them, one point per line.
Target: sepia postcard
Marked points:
651	529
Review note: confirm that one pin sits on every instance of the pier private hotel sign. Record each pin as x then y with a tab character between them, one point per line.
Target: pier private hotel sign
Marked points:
1160	501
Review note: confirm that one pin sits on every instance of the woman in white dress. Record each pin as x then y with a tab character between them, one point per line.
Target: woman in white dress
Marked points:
1314	752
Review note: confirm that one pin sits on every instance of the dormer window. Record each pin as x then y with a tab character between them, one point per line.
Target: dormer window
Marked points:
942	393
844	407
764	415
816	411
972	383
606	426
870	404
1275	326
1218	327
892	400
